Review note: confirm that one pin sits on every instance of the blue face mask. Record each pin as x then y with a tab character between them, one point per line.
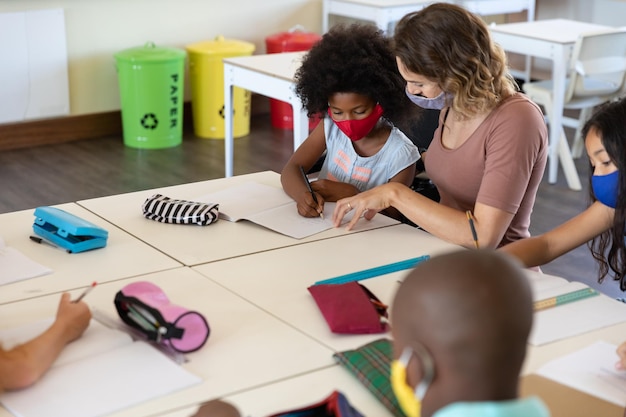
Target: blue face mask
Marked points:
605	188
435	103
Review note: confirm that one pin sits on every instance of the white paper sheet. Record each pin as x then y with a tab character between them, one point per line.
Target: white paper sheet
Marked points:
98	338
15	266
591	370
100	373
574	318
269	207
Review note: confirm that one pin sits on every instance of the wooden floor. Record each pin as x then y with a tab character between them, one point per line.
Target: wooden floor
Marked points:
79	170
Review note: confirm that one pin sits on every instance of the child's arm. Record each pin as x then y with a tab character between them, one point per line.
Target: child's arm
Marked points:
334	190
406	176
25	364
543	248
291	178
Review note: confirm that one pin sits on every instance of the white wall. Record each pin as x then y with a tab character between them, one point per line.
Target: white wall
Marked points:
97	29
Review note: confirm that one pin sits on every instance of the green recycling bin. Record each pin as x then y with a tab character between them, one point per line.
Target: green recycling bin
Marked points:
151	80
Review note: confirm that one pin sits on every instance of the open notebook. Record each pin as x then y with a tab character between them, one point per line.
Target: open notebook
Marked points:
102	372
269	207
571	319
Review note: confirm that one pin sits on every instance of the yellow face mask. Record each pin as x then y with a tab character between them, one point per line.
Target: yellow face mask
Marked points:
411	401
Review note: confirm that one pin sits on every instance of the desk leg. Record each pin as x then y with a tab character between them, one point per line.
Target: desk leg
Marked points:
558	150
228	121
300	124
558	96
325	13
530	16
382	20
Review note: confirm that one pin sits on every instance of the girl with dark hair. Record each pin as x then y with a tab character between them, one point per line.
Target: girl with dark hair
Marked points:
351	78
603	224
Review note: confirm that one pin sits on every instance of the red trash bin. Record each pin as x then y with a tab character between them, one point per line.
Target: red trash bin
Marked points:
294	40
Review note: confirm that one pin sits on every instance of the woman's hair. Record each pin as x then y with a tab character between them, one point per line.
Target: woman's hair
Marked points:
354	58
609	122
452	47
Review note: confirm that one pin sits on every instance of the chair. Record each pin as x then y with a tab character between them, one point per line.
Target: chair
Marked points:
597	74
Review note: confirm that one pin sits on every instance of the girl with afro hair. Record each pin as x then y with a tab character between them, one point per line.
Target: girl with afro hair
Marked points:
351	78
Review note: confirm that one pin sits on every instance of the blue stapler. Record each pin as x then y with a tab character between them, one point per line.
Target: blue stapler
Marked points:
68	231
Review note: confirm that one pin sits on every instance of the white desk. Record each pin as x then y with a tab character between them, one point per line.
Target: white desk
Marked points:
191	244
247	347
277	281
552	39
270	348
271	75
385	12
382	12
124	256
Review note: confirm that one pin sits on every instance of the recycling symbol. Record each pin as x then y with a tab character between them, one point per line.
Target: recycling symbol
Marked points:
149	121
222	112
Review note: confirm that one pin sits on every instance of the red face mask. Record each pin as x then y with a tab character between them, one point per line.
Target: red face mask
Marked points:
357	129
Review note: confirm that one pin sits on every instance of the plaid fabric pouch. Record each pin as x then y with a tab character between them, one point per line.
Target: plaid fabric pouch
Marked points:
371	364
166	210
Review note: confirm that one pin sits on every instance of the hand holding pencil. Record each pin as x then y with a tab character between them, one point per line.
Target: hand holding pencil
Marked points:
320	207
72	317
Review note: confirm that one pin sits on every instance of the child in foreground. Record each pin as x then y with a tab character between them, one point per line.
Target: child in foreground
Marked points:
460	324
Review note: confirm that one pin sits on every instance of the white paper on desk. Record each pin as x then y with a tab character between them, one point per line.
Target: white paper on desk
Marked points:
269	207
591	370
573	318
120	374
15	266
540	283
98	338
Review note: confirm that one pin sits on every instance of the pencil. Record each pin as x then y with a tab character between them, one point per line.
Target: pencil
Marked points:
87	290
308	186
470	219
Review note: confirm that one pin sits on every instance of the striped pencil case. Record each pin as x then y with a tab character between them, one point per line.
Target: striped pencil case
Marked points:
166	210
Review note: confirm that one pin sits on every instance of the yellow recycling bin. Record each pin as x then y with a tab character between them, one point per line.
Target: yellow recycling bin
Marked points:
206	74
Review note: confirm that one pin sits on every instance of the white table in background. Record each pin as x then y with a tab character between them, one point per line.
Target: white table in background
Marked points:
551	39
247	347
193	245
271	75
123	256
381	12
386	12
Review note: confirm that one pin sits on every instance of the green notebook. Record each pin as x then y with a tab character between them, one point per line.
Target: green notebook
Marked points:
371	364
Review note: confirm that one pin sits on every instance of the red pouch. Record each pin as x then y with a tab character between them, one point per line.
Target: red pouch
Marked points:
350	308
